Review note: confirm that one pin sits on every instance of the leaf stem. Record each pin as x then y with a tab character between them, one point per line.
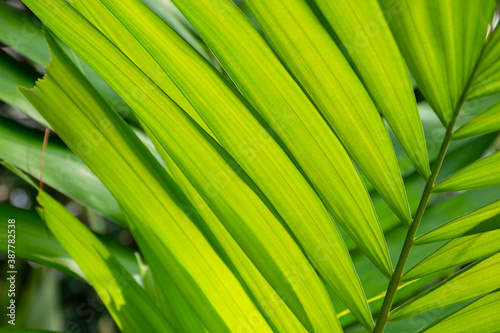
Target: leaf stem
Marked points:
410	236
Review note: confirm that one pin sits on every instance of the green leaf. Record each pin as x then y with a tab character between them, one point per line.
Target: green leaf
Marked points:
13	74
483	219
37	246
482	314
62	169
473	281
488	78
22	32
245	215
263	292
166	234
315	60
457	252
482	173
441	42
284	106
128	304
33	243
284	186
170	300
487	121
361	28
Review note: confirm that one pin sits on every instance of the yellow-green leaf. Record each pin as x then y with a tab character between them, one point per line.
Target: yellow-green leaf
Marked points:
473	281
482	315
441	42
280	101
457	252
284	186
153	204
483	219
361	28
487	121
127	302
482	173
318	64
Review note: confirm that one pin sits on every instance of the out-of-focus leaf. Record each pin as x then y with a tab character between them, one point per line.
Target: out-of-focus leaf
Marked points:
318	64
361	28
62	169
487	81
34	244
457	252
266	84
149	198
22	330
127	302
485	122
22	32
441	42
483	314
482	173
473	281
483	219
13	74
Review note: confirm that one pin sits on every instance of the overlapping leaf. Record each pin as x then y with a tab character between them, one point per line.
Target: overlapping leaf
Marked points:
483	314
457	252
482	173
127	302
487	121
488	79
312	56
474	281
279	100
361	28
147	195
284	186
441	42
248	219
483	219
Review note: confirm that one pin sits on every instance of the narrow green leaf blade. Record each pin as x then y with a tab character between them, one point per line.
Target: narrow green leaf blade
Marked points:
474	281
210	168
361	28
146	194
127	302
288	111
441	42
318	64
488	121
482	315
483	219
457	252
482	173
322	233
487	81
